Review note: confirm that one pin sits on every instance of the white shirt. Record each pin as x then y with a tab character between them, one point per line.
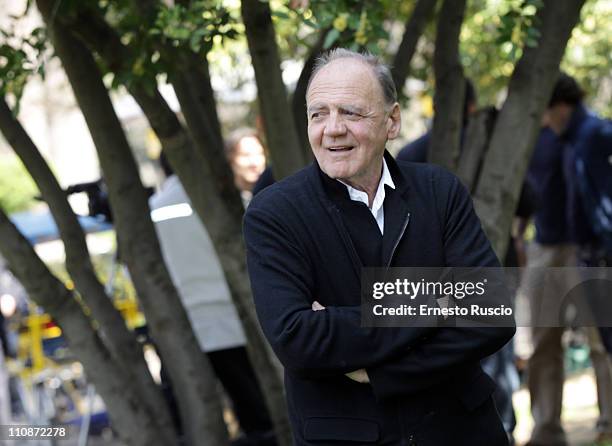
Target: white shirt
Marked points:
377	209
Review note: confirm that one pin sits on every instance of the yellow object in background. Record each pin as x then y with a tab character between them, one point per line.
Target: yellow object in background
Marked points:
427	107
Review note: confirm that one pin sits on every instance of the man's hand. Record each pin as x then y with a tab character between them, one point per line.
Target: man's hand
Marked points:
361	376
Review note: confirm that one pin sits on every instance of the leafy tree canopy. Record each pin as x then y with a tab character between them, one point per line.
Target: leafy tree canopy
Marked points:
493	35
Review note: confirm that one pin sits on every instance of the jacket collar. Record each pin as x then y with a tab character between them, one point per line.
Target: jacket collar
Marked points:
326	187
397	212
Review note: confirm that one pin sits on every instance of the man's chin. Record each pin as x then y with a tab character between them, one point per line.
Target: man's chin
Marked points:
337	174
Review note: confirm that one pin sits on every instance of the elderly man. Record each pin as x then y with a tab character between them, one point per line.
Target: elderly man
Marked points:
308	237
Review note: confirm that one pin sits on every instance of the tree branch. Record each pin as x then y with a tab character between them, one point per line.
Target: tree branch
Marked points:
422	12
450	87
281	134
136	426
221	214
196	98
475	144
298	100
121	342
517	126
188	369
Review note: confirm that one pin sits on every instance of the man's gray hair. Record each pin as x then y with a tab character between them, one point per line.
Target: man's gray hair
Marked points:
381	71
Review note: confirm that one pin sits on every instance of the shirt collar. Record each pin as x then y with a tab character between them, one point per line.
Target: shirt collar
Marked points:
379	198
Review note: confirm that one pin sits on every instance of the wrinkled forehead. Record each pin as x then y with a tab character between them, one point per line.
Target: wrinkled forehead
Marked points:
345	77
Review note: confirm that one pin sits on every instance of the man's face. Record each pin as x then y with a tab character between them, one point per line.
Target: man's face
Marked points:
348	123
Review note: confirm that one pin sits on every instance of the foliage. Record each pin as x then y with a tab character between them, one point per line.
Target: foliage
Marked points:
20	57
17	189
492	40
589	53
362	22
488	51
519	27
491	43
195	25
351	23
493	35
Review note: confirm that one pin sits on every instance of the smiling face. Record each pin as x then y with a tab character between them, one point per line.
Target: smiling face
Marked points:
348	122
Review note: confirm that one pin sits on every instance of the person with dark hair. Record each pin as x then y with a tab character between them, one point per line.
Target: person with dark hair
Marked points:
560	227
587	140
308	238
416	151
196	272
247	159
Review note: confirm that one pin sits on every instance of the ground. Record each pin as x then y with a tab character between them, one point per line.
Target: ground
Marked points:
579	410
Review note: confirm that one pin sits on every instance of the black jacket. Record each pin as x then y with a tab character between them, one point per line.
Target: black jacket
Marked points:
425	386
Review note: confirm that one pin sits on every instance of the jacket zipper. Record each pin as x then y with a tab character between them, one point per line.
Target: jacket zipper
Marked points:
347	240
399	238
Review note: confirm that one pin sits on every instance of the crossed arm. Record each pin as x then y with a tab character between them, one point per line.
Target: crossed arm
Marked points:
332	342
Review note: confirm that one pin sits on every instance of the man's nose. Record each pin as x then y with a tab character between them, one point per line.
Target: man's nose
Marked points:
334	125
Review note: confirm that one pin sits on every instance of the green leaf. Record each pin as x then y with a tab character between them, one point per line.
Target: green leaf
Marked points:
513	52
508	21
281	15
533	33
331	37
373	47
536	3
180	34
310	23
353	20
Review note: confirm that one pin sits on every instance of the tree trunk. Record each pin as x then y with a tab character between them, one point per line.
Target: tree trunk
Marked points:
476	141
189	371
195	96
222	217
132	421
517	126
298	99
224	227
227	240
422	12
450	87
113	331
281	135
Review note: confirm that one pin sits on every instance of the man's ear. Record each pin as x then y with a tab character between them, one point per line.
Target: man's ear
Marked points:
394	122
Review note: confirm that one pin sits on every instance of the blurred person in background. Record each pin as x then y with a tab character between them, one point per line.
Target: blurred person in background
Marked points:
196	272
587	140
561	228
416	151
247	159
